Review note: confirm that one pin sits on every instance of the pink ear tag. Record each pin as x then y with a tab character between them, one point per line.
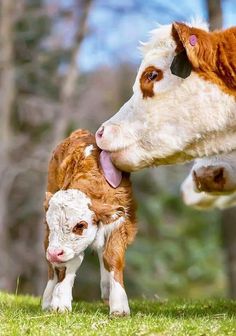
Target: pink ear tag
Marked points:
193	40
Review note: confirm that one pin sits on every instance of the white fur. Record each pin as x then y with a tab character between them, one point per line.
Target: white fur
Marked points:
118	300
104	231
88	150
48	292
185	119
66	209
62	293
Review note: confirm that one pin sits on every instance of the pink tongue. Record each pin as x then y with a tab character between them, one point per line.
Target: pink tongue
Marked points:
112	174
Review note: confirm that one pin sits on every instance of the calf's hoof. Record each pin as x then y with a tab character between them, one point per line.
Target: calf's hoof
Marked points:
46	306
119	314
61	307
106	301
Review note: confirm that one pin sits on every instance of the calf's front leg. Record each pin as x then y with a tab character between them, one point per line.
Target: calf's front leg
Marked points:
52	281
62	293
114	260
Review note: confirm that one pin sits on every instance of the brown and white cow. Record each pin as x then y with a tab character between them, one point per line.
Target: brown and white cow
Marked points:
183	104
83	210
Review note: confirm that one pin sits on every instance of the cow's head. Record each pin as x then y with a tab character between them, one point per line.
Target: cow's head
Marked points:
175	103
73	221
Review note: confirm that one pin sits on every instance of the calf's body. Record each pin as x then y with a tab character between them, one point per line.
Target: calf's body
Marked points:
83	210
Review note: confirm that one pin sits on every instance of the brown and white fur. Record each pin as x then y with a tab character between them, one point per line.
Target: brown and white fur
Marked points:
204	200
83	210
170	119
211	183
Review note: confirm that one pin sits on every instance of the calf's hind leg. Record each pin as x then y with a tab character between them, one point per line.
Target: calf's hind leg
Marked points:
105	279
114	260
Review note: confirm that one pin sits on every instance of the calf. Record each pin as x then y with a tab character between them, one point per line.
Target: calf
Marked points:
83	210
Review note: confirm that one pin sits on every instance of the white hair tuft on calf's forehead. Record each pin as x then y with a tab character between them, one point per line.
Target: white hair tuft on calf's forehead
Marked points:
69	197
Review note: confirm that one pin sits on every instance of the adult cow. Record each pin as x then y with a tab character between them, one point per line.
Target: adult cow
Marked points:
183	105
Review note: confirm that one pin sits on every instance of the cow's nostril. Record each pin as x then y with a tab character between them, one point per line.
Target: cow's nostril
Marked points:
100	132
60	253
219	175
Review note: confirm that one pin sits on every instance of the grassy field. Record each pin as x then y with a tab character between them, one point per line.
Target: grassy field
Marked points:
22	315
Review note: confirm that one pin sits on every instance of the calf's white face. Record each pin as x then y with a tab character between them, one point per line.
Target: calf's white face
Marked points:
167	118
71	225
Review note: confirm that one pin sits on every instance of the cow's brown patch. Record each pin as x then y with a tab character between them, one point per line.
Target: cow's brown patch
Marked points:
61	273
209	179
149	76
80	227
213	57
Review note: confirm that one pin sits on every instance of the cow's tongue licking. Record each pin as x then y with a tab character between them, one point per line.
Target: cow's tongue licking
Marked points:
111	173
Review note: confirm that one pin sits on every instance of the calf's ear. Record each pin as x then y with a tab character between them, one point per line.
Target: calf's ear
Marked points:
107	213
48	196
193	46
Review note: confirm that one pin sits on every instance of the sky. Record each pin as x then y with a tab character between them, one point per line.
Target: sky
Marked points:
116	27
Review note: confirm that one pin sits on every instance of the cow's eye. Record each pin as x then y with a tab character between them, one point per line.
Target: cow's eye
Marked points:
152	75
79	227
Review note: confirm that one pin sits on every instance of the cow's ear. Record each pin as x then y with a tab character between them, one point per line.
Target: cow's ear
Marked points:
107	213
194	49
48	196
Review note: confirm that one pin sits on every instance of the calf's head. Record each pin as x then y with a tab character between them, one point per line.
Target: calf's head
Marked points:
73	222
178	100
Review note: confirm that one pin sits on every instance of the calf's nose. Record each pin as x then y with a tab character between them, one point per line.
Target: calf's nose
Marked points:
209	179
54	255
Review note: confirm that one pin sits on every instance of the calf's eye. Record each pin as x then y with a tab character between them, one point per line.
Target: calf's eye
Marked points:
79	227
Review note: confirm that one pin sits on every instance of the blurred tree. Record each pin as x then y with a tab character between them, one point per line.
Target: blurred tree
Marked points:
31	122
215	14
7	93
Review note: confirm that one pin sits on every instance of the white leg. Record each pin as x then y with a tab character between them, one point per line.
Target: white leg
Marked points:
118	300
62	294
105	278
47	294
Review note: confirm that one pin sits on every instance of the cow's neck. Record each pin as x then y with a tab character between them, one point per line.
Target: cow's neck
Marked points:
213	143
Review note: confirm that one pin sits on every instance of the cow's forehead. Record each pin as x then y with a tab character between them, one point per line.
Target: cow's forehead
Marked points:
69	197
68	206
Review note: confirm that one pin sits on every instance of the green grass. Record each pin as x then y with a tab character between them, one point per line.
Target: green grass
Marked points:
22	315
